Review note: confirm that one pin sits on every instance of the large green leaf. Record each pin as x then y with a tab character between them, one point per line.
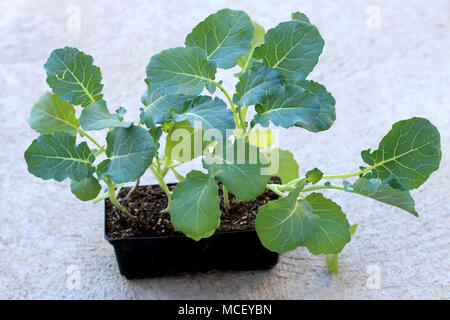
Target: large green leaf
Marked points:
284	224
73	76
224	36
86	189
52	114
211	113
292	48
254	83
180	71
97	117
376	189
158	105
239	167
316	93
246	61
332	233
56	156
409	153
181	142
195	209
286	107
287	166
130	152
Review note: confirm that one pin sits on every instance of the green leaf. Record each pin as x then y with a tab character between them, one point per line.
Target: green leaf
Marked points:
300	16
181	142
246	61
180	71
254	83
375	189
352	229
284	224
239	167
287	166
224	36
130	152
261	138
158	106
195	209
292	48
409	153
121	111
73	76
86	189
332	261
332	233
97	117
314	175
317	94
52	114
56	156
212	114
286	107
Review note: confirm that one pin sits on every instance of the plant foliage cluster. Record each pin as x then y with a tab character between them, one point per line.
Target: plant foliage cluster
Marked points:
274	67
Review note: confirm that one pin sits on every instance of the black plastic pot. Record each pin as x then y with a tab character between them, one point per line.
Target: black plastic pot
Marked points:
142	257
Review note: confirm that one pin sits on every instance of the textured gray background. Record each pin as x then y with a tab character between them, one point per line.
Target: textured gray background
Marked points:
378	76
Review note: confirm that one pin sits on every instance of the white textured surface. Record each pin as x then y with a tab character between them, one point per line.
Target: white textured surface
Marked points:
377	77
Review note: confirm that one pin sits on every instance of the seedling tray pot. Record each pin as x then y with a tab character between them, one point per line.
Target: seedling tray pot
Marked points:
142	257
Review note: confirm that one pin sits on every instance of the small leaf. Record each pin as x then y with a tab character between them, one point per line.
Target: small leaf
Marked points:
284	224
254	83
300	16
158	105
97	117
156	133
212	114
121	111
375	189
180	71
130	152
195	209
409	153
332	261
316	93
333	233
352	229
52	114
239	167
56	156
211	87
86	189
73	76
287	166
314	175
246	61
181	143
292	48
224	36
348	186
286	107
261	138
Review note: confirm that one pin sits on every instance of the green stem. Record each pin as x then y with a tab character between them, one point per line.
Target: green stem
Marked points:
82	132
112	194
312	188
177	175
226	201
233	107
274	188
163	186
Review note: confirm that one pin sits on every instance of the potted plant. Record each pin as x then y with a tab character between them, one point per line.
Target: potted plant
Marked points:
249	203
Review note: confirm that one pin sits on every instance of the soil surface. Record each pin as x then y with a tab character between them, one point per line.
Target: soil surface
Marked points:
146	203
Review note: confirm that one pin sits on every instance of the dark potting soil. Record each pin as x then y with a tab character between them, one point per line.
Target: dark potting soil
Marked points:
146	203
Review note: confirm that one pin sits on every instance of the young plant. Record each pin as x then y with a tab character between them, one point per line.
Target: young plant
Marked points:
274	67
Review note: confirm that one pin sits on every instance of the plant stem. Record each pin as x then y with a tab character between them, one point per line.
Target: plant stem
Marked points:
163	186
177	175
226	201
274	188
233	107
82	132
113	197
133	189
347	175
312	188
